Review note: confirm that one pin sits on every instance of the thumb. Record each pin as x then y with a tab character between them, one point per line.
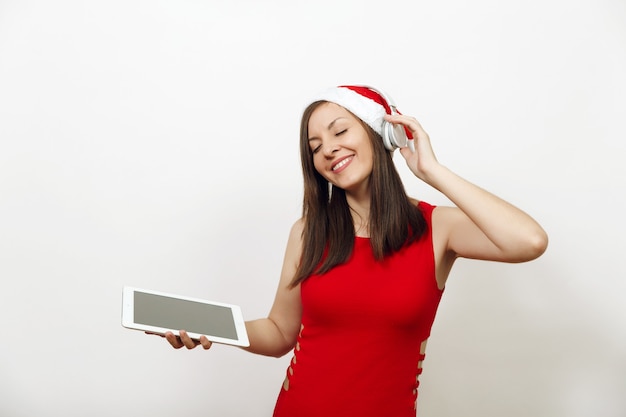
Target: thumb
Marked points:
408	151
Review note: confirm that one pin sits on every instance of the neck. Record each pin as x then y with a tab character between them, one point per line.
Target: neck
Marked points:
360	209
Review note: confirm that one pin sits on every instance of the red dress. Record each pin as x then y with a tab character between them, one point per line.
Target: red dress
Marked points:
363	323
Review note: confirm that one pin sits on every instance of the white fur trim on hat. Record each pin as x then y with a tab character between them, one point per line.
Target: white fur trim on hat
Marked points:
363	107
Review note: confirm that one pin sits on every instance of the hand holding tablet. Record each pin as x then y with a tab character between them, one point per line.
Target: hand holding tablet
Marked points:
161	313
183	340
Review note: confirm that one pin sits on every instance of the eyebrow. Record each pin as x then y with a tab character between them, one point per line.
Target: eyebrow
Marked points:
330	126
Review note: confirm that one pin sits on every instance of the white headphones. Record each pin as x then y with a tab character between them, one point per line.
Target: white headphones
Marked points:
394	135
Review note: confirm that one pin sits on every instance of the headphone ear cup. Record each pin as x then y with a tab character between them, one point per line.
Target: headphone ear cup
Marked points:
386	137
394	136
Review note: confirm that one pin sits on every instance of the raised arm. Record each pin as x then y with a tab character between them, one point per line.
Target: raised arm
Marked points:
482	225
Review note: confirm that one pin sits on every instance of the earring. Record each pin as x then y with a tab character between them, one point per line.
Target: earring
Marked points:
330	191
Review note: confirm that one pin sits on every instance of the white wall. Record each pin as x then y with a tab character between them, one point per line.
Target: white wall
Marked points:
154	143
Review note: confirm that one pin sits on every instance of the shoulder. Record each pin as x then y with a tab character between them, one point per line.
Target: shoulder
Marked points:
294	244
447	214
448	224
293	252
297	229
445	217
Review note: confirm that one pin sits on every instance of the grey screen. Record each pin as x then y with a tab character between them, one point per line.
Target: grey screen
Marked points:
176	314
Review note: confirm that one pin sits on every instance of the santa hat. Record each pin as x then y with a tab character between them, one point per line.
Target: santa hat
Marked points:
366	103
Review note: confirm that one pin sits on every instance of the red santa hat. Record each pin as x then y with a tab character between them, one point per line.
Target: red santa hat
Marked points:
366	103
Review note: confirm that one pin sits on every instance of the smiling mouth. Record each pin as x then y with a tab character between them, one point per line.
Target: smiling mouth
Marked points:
342	163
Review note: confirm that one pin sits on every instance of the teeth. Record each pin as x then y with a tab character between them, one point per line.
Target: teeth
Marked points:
342	163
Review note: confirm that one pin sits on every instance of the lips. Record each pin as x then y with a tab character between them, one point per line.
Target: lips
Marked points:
342	163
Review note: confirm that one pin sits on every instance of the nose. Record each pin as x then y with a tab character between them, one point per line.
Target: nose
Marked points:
329	149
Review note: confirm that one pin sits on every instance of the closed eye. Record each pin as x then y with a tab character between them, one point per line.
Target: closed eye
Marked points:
317	148
341	133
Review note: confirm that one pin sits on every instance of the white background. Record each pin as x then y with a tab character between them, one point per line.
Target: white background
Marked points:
154	144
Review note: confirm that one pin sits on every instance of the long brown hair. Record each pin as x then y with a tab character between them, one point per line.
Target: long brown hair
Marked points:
328	236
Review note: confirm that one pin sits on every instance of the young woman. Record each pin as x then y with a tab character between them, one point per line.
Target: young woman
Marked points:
365	266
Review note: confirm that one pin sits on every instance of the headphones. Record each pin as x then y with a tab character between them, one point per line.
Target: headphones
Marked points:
394	135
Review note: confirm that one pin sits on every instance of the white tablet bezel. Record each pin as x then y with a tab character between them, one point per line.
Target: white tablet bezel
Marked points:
128	313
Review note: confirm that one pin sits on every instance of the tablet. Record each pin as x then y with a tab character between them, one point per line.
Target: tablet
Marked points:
159	312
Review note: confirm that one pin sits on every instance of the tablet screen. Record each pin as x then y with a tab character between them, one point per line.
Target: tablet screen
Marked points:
177	314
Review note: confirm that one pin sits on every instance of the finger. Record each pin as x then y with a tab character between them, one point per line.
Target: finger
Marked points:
173	340
411	145
154	334
187	341
407	152
410	122
401	118
206	344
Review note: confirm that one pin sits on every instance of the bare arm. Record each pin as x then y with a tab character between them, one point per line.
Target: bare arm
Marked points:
275	335
482	225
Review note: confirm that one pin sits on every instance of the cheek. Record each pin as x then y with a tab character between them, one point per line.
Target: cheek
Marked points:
317	164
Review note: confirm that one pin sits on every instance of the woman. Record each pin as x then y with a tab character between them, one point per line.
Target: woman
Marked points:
365	266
